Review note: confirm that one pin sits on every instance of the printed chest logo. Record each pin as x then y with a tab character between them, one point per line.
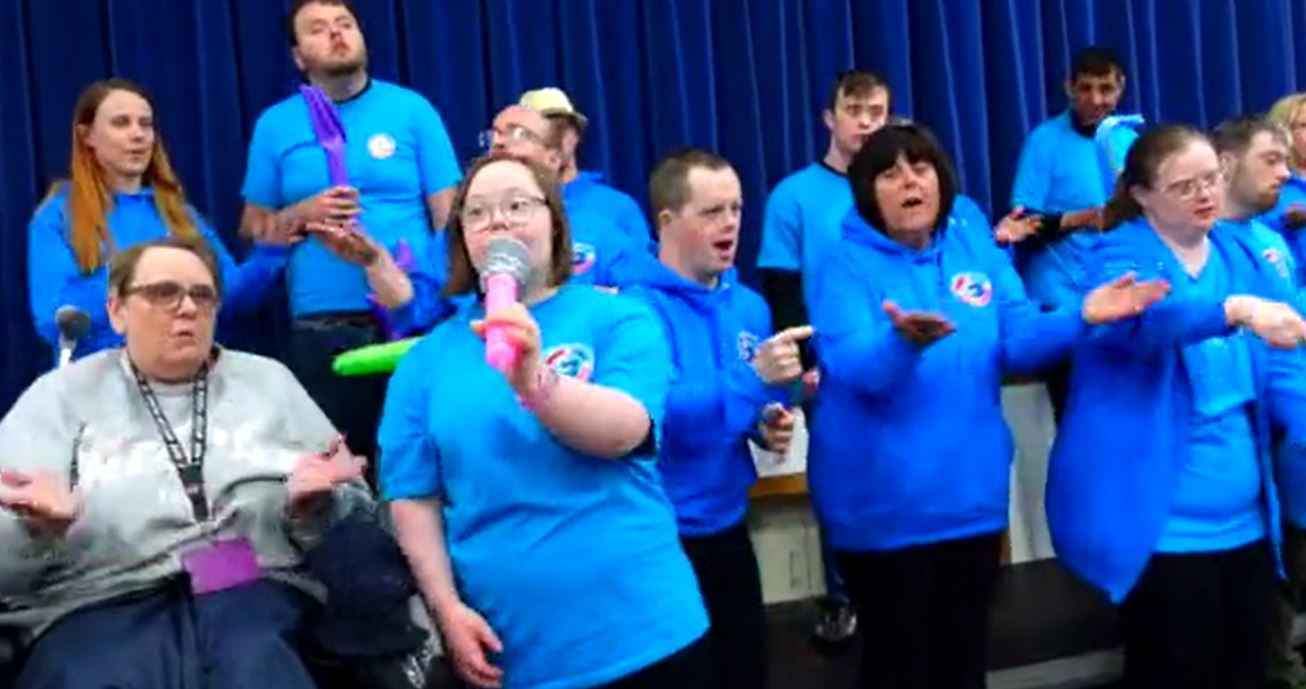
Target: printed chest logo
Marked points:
583	257
1277	260
973	289
381	146
747	344
574	359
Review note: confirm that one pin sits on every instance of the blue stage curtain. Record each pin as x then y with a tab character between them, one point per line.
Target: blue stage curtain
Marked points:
745	77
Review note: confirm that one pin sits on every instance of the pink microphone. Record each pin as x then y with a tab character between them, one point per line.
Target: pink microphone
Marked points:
507	271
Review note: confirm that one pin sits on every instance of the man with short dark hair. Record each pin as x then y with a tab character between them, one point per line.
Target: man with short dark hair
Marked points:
371	265
730	373
584	190
1059	179
1254	155
601	249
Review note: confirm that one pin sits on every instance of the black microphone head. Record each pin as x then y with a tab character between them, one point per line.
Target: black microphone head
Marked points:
73	322
509	256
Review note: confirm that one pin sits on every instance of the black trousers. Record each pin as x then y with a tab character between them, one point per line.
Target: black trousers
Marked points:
1200	621
684	669
726	566
924	612
353	404
1284	666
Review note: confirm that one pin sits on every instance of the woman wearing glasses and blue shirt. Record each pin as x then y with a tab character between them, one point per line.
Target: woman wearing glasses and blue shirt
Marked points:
528	501
1161	486
121	191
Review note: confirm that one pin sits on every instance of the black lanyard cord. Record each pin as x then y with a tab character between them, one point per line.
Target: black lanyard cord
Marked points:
190	468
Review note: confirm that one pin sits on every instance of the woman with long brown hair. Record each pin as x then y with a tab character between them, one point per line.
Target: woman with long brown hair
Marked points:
120	191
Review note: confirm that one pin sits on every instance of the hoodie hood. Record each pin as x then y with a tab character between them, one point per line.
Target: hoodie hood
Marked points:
855	229
652	273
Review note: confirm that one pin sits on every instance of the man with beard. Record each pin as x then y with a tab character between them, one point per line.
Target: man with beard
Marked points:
1254	158
371	263
803	216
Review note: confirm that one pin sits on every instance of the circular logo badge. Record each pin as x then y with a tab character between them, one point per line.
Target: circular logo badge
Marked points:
381	146
582	257
575	360
747	345
972	288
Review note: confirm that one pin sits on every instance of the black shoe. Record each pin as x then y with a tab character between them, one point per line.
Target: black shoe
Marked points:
835	628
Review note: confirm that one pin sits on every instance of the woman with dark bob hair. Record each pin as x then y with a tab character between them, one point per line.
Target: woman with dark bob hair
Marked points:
919	317
1161	488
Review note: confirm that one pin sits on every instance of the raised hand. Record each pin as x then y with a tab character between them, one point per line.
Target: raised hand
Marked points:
1275	322
1123	297
919	327
523	332
317	474
778	359
777	428
1017	227
42	500
346	241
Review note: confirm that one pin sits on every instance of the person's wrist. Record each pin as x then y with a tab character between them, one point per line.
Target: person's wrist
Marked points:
1239	310
539	387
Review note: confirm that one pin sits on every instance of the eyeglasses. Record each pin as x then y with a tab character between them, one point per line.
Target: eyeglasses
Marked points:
168	295
1188	189
517	210
513	133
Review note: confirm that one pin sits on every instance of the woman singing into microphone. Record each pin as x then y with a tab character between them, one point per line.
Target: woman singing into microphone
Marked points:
121	191
528	501
1161	488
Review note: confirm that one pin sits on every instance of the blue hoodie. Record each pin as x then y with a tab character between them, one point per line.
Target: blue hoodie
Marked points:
589	193
55	280
715	398
1123	442
910	446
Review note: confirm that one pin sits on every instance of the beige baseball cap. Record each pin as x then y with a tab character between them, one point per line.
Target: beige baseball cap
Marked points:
551	101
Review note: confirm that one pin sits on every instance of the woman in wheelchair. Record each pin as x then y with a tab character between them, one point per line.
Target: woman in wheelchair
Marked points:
156	498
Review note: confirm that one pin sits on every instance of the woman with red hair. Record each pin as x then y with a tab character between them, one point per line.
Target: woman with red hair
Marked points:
120	191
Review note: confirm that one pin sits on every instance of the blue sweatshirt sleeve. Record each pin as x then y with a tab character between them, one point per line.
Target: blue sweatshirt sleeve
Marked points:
856	339
55	280
409	466
1033	175
1174	321
1032	339
429	306
1286	390
245	284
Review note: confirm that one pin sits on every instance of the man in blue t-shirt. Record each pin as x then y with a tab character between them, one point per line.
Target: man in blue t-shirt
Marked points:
802	221
1059	179
602	251
371	263
584	189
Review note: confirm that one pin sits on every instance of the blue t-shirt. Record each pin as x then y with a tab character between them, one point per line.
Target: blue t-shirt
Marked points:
573	560
54	278
397	153
588	193
601	251
1060	170
1217	502
803	217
